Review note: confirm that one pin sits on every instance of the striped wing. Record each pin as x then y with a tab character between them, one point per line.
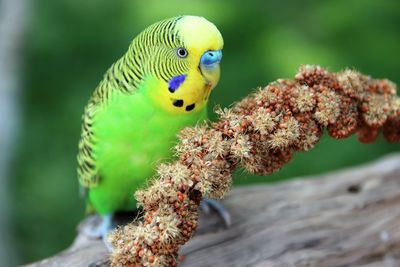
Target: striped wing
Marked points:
151	53
116	78
87	171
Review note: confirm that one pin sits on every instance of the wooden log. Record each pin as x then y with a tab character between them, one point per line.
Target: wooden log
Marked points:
346	218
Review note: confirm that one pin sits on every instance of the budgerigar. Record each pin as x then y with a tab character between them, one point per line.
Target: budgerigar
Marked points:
160	85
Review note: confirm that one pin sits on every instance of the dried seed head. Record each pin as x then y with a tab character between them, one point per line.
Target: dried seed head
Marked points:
260	133
241	147
305	99
262	121
353	83
311	74
376	109
328	107
285	136
391	130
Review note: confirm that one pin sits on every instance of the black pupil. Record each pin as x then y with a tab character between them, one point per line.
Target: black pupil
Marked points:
182	52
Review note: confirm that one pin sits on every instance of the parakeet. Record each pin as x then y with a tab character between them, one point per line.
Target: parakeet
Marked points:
130	124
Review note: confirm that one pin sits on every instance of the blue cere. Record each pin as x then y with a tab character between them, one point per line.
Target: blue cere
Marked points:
175	82
211	58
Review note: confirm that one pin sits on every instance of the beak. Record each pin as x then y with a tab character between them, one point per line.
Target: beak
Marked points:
211	58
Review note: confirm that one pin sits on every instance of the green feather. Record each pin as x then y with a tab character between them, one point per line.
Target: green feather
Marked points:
135	136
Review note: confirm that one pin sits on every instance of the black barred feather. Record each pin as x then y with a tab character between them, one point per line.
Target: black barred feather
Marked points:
151	53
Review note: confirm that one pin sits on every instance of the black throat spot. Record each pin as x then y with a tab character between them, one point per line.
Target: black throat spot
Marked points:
177	103
190	107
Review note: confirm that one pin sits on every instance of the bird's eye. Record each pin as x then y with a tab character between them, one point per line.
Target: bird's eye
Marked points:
182	52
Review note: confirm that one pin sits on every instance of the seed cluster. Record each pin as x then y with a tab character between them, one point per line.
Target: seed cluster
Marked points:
260	133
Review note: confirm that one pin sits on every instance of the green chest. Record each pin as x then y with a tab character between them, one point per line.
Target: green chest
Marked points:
132	137
133	132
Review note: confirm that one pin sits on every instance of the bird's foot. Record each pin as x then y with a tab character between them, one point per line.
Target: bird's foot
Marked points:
209	204
100	230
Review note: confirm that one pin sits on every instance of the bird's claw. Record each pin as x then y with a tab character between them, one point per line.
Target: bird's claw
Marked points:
100	230
207	204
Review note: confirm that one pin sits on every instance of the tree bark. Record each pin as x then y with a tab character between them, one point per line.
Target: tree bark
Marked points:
345	218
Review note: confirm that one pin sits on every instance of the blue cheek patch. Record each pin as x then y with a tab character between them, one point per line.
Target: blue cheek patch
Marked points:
175	82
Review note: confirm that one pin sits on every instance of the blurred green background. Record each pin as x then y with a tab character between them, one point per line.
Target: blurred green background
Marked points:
70	43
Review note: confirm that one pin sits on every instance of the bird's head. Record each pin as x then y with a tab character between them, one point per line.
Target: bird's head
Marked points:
184	55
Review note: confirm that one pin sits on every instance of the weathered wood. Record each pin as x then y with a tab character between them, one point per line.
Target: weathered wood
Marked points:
346	218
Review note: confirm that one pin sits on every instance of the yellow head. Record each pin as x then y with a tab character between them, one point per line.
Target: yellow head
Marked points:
182	57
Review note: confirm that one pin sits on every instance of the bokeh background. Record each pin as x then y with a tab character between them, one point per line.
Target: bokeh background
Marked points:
68	44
